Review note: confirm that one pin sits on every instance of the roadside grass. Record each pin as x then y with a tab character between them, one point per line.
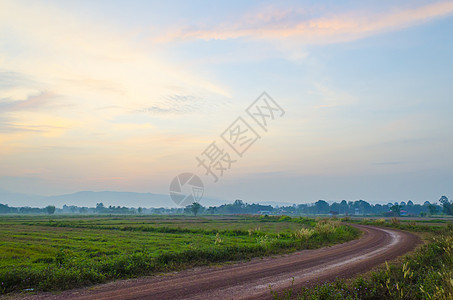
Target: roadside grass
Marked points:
427	273
431	226
48	254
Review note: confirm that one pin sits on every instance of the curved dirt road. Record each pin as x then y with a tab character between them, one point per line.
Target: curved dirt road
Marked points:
251	280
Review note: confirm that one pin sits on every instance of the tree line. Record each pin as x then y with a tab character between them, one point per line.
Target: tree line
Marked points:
320	207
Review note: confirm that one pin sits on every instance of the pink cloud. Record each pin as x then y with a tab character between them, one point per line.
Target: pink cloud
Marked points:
277	24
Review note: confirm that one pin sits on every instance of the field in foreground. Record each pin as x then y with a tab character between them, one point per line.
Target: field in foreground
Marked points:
42	254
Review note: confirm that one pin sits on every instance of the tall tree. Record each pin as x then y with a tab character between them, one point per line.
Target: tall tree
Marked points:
396	209
50	209
432	209
4	209
322	207
100	207
195	207
448	206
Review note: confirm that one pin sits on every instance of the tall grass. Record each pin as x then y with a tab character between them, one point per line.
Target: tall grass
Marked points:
426	274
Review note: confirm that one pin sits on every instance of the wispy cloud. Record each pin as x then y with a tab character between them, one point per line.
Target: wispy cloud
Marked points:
13	127
85	62
59	71
175	104
31	103
277	24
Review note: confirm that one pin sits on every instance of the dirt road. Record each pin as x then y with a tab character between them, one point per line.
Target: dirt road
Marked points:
251	280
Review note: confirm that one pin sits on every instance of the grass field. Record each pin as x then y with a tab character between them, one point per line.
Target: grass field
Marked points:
61	252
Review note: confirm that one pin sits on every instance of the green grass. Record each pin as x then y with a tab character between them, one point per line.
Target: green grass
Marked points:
62	252
431	226
425	274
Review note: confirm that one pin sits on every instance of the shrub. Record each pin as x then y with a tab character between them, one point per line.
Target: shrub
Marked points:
304	233
395	221
284	218
346	219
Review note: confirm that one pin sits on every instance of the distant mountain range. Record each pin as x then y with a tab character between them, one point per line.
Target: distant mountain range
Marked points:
89	199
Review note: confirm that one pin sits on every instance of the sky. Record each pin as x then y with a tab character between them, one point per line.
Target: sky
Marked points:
125	95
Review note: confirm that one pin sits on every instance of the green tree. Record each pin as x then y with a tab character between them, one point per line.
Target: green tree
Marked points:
239	203
322	207
448	206
4	208
396	209
335	207
344	207
432	209
195	207
50	209
100	207
237	207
